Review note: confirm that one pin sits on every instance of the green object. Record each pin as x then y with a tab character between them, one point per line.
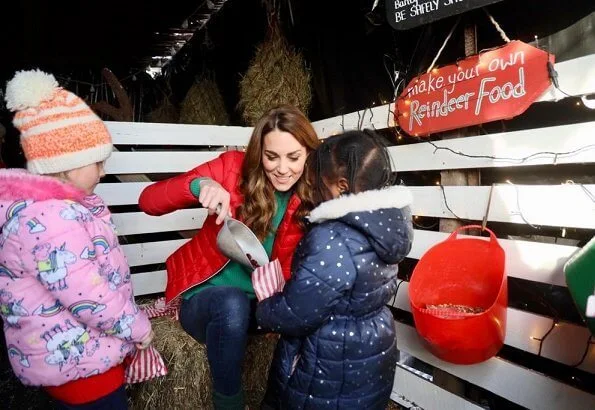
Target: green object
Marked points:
195	186
235	274
580	278
223	402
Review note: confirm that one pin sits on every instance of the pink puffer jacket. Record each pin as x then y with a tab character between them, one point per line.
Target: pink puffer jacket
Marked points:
65	293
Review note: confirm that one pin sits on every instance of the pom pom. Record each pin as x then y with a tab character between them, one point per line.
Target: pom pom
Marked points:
28	89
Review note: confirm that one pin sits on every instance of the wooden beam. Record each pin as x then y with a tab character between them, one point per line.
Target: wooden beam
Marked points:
565	344
506	379
457	177
410	390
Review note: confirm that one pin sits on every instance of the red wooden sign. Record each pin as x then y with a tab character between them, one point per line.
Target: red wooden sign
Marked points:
495	85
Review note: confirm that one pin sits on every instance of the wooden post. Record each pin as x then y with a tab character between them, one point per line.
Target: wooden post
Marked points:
457	177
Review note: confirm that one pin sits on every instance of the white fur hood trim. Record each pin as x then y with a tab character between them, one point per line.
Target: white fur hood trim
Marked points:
397	196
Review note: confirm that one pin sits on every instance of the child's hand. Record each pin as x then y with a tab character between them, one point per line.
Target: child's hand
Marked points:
146	342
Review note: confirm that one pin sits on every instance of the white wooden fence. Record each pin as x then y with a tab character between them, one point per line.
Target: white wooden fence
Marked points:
567	205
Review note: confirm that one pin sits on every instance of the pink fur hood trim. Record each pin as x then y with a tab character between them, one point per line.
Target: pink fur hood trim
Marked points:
20	184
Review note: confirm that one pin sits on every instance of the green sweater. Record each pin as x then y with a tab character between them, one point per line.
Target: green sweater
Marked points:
235	274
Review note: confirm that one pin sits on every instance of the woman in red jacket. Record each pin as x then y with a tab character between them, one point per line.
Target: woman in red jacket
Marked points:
264	188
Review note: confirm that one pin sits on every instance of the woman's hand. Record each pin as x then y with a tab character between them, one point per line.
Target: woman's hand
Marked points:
212	194
146	342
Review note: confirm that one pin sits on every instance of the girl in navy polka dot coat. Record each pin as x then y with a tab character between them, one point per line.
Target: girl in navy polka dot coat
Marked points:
338	348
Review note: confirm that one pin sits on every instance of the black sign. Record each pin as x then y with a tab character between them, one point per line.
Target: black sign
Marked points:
406	14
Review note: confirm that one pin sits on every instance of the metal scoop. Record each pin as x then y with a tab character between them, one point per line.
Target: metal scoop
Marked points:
237	242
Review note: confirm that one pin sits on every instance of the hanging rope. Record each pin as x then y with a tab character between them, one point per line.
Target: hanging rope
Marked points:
443	45
495	23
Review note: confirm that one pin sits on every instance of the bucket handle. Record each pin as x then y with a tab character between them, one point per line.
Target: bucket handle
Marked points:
454	234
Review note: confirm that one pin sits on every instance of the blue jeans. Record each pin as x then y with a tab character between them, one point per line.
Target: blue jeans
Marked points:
116	400
220	317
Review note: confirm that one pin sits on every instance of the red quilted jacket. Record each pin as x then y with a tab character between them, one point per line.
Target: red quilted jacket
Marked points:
199	259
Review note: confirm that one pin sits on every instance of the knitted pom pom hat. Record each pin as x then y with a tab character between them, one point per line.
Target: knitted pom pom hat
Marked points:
59	132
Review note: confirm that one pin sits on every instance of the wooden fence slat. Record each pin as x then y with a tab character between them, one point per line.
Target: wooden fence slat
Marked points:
156	162
515	383
425	394
509	148
133	223
565	344
539	204
121	193
539	262
379	117
575	77
148	253
574	139
147	283
145	133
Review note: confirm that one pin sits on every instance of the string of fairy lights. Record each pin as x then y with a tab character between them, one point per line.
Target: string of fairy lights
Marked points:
555	156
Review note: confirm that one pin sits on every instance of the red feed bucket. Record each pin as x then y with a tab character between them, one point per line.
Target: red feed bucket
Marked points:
458	294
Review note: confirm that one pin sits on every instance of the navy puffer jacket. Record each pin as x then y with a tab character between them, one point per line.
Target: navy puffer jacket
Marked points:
336	329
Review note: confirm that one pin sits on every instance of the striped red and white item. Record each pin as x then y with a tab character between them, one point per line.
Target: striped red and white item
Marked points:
147	364
159	308
268	280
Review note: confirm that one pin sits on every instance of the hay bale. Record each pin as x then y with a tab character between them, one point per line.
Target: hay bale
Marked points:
394	406
188	384
259	355
166	112
277	75
204	104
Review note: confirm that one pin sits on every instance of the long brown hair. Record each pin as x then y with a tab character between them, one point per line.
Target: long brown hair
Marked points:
259	205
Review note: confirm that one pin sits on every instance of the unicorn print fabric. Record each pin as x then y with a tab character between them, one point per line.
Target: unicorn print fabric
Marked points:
65	293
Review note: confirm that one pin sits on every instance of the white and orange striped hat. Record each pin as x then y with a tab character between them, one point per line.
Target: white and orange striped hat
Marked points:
59	132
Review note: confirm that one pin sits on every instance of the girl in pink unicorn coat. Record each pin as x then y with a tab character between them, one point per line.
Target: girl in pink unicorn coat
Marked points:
65	294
